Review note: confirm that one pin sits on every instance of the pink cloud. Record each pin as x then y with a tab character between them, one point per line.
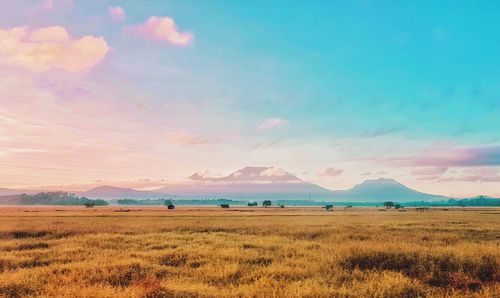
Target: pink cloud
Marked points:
274	172
48	4
272	123
50	47
117	13
330	172
248	175
187	139
430	171
163	29
453	157
51	5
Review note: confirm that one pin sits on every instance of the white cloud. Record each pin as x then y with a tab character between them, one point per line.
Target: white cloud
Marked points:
188	139
330	172
272	123
274	172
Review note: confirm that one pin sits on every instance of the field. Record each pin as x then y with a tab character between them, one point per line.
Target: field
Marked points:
248	252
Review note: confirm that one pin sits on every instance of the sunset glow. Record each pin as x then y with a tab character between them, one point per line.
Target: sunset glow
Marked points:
117	93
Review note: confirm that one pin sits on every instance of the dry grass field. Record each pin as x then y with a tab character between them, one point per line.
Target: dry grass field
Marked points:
245	252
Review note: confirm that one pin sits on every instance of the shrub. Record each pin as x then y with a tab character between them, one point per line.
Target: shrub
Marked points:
266	203
224	206
388	204
252	204
173	260
440	270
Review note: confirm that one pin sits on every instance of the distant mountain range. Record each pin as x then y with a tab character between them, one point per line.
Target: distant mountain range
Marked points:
260	183
113	192
382	189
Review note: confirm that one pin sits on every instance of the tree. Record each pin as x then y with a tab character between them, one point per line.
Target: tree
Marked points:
328	207
169	204
388	204
397	206
252	204
89	204
266	203
224	206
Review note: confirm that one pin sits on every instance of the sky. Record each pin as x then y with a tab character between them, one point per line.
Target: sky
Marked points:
335	92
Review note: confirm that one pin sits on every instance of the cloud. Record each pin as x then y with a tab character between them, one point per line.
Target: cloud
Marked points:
50	47
487	174
116	13
187	139
48	4
274	172
204	175
272	123
248	175
453	157
381	131
430	171
163	29
330	172
51	5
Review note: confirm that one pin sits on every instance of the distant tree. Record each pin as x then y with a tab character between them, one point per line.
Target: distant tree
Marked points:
252	204
282	206
224	206
388	204
328	207
169	204
89	204
266	203
397	205
349	206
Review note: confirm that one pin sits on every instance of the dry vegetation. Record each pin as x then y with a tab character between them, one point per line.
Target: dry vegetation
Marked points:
304	252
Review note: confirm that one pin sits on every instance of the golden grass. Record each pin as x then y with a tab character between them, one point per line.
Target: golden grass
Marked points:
245	252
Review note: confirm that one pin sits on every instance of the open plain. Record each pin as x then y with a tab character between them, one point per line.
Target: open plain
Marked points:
248	252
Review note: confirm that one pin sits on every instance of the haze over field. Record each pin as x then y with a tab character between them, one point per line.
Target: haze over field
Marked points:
318	97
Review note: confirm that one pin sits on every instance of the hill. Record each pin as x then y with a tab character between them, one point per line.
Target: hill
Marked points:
383	189
113	192
49	198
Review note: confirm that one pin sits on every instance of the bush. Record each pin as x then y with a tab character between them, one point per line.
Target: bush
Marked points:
169	204
266	203
224	206
440	270
252	204
388	204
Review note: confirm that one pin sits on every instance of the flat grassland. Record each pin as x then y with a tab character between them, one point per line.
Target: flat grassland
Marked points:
248	252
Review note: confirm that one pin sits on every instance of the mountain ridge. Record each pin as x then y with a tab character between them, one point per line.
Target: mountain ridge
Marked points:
260	183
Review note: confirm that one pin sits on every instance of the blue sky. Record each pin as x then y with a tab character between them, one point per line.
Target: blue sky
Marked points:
369	88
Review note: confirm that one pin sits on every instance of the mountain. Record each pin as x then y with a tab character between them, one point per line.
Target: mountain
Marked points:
382	189
259	183
250	183
113	192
